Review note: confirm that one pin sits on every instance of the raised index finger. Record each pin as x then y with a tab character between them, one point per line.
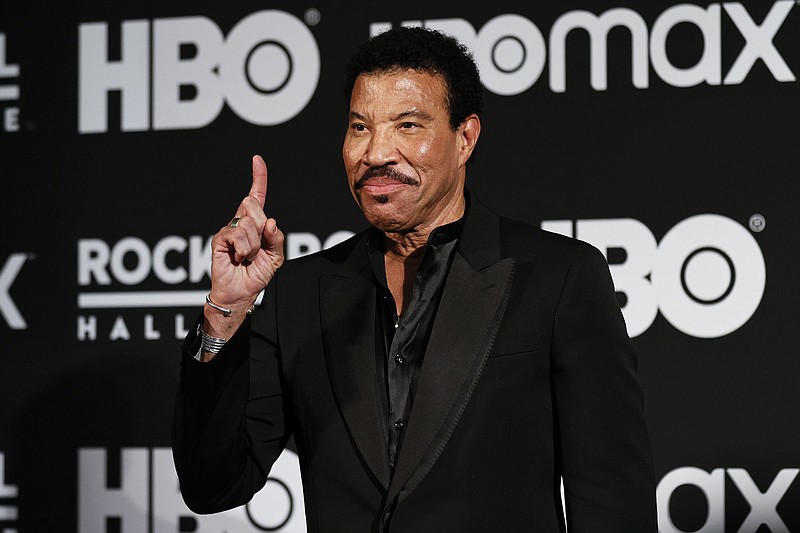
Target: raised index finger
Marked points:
259	188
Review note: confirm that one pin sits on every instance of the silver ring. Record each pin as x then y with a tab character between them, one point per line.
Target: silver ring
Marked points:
234	223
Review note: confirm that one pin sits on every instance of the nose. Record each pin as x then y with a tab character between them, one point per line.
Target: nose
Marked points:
381	150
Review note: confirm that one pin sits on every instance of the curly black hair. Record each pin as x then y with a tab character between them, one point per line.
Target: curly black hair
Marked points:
428	51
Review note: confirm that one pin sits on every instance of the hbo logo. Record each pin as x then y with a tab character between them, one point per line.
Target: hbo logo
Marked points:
706	276
266	69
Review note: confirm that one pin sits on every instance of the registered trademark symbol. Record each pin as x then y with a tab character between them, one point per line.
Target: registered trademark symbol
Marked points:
313	17
758	222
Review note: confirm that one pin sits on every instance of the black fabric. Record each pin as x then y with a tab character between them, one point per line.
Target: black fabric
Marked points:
529	377
401	350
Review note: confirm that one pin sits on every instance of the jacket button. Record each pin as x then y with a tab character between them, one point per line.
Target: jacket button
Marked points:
398	425
399	359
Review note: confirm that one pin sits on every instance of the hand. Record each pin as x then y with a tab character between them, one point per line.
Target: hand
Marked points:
245	258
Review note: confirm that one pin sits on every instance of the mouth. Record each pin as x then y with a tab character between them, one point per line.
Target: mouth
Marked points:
381	186
384	180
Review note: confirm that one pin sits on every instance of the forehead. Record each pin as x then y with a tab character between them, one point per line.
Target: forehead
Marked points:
399	87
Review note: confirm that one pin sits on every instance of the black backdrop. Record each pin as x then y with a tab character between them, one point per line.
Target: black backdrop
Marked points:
683	169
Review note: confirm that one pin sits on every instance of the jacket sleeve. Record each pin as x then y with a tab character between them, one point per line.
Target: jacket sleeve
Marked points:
602	438
229	421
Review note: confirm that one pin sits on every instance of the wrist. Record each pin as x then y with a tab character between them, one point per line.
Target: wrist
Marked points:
218	324
228	311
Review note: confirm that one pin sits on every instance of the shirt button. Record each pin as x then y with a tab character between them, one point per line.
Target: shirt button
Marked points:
399	359
399	425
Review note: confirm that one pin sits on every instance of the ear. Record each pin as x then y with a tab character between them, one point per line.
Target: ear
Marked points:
468	133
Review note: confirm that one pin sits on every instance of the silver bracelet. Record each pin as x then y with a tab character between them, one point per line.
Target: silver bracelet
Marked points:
226	311
208	343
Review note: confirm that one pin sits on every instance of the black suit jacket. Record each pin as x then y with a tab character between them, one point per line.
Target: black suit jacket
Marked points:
529	375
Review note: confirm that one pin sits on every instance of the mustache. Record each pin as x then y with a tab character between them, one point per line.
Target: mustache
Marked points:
384	171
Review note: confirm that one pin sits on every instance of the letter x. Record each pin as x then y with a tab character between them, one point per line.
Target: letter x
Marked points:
763	505
758	42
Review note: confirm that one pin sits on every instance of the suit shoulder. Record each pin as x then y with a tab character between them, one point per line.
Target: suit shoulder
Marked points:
323	260
522	240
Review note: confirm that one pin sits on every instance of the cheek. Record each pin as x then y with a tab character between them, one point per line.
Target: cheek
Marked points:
349	155
423	148
430	155
347	149
351	166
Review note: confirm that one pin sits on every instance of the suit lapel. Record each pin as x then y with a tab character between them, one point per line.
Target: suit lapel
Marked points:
471	308
348	325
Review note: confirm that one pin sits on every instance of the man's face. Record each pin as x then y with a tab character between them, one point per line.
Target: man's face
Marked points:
404	163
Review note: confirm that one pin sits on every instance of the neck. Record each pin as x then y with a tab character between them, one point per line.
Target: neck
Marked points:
409	245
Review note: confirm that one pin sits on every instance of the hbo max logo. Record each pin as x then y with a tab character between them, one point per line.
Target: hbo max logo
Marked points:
266	69
706	276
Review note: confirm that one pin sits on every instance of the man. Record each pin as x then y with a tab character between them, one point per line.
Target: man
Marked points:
441	371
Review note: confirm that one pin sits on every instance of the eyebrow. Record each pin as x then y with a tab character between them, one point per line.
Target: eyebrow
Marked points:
415	113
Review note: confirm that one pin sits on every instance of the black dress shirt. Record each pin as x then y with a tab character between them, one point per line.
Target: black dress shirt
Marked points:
401	340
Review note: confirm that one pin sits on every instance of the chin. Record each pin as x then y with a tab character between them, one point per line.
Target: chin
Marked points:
383	217
387	212
379	202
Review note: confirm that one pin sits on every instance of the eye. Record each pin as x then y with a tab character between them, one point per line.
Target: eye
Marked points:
408	125
359	127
